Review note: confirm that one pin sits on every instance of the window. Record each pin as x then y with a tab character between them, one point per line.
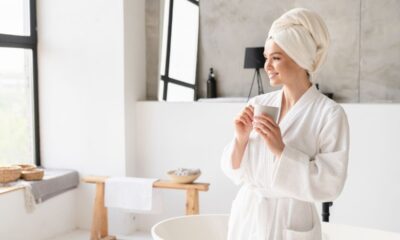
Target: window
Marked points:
19	126
179	51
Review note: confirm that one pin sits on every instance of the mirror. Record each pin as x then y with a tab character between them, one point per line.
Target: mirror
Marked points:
179	50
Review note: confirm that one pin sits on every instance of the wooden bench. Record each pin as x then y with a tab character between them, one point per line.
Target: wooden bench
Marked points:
99	229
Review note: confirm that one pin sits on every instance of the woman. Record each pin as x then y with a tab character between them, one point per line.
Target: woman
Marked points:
284	167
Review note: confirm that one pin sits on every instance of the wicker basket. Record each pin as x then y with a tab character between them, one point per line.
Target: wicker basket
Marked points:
33	175
27	167
9	174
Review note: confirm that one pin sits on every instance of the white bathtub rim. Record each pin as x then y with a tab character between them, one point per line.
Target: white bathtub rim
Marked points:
190	216
187	216
328	229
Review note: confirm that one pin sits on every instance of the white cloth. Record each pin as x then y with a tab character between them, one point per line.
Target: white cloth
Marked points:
304	37
30	203
277	196
132	194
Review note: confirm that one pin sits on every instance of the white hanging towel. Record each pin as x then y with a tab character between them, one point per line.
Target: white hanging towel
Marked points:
133	194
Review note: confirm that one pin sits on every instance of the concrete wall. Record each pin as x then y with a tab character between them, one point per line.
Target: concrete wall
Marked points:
193	135
380	51
363	64
153	42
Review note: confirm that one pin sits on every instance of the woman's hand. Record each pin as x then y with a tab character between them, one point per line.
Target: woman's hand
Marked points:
270	132
244	124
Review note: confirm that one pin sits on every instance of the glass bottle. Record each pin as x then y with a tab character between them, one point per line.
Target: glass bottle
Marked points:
211	85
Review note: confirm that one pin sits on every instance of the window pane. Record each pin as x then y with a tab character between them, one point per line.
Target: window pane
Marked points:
14	17
177	93
185	28
16	106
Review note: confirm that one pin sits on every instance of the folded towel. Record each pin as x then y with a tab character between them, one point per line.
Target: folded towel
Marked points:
132	194
54	182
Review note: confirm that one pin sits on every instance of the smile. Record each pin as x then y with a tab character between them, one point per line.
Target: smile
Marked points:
272	75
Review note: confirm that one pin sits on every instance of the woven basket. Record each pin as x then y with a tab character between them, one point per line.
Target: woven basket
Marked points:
27	167
33	175
9	174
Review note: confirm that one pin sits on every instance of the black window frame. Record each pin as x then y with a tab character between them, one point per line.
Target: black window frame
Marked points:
29	42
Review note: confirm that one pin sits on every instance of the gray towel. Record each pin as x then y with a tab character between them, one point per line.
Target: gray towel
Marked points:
55	181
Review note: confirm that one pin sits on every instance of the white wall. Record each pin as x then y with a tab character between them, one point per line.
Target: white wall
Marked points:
135	73
91	72
372	195
48	219
193	135
81	83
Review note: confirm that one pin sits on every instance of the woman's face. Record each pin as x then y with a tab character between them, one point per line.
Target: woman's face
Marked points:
281	69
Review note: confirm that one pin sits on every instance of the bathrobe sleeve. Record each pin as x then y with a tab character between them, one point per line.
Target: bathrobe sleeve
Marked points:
317	178
236	175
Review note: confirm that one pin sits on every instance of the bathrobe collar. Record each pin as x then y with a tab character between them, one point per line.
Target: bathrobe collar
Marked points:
308	97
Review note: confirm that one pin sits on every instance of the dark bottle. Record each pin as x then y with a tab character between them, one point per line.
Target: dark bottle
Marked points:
211	85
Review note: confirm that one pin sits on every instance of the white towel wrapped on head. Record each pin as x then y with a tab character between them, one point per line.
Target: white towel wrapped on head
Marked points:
132	194
304	37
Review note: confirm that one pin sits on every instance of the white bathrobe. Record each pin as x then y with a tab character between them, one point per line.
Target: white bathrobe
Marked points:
277	197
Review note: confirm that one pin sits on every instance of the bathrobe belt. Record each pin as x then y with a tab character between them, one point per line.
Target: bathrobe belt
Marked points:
264	211
262	193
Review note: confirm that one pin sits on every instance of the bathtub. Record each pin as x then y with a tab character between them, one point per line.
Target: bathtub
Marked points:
193	227
214	227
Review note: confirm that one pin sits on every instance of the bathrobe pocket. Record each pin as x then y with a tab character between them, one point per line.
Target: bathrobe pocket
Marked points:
312	234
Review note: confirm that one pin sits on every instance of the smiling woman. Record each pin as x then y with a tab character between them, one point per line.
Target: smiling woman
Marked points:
284	165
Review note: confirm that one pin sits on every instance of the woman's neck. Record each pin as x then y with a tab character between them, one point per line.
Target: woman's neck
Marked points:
292	93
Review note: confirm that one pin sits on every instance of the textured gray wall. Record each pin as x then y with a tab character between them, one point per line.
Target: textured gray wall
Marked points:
153	11
380	51
363	60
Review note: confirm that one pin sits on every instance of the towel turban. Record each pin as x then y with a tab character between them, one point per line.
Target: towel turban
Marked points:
304	37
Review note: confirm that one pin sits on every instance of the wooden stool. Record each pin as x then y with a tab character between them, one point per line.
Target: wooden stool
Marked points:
99	229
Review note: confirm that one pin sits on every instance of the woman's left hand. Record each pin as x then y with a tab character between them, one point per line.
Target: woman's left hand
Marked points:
270	132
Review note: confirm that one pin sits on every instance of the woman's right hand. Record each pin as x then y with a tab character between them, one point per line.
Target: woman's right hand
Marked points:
244	124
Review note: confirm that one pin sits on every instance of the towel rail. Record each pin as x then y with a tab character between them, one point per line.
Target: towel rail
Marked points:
99	229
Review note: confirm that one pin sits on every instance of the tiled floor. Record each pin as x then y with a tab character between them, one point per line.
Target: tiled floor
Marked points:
85	235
